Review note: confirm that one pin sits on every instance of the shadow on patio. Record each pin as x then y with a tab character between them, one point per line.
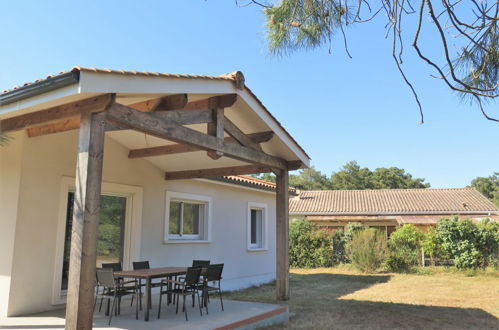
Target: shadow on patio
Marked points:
237	313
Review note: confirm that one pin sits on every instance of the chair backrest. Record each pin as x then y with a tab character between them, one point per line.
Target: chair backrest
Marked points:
214	272
192	276
141	265
115	266
105	277
200	263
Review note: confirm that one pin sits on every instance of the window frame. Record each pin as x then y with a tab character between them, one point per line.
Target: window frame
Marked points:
264	227
133	228
204	235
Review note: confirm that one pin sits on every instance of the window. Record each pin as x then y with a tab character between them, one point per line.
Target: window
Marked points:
257	230
187	217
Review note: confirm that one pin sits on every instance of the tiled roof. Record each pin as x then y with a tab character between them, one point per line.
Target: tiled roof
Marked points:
237	77
391	201
229	76
250	181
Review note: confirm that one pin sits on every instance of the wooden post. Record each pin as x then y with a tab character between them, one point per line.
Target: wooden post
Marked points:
282	235
79	308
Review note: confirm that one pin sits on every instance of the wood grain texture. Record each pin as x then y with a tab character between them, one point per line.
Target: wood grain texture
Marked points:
70	110
237	134
282	235
217	172
154	125
79	308
181	148
169	102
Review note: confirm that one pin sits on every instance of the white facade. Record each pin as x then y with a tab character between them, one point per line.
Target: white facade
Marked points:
35	175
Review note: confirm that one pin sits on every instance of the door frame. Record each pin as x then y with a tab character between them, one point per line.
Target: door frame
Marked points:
132	234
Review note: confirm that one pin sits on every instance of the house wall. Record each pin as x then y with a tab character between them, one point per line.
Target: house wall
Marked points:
47	160
10	180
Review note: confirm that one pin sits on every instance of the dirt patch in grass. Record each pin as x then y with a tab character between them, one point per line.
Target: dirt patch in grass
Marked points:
340	298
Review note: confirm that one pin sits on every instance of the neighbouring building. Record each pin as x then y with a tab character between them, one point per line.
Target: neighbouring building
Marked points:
388	208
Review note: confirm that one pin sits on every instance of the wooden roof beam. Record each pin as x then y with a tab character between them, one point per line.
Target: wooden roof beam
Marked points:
257	138
65	111
224	171
155	125
180	102
170	102
217	172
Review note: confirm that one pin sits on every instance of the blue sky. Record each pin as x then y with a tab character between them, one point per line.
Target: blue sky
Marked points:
338	109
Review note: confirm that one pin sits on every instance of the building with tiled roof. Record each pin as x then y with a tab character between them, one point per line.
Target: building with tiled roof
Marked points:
390	207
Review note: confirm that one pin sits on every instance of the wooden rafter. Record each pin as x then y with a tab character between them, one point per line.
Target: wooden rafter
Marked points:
60	126
155	125
181	117
223	171
238	135
170	102
216	129
217	172
70	110
221	101
257	138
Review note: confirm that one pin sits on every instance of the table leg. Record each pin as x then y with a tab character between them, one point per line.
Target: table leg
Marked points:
148	290
169	287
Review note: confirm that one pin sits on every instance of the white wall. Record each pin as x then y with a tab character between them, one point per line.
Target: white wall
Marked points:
10	179
47	159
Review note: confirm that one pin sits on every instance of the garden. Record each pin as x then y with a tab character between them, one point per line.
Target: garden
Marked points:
356	278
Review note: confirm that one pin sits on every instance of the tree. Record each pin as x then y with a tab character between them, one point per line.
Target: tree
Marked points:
310	179
467	32
306	179
352	176
488	186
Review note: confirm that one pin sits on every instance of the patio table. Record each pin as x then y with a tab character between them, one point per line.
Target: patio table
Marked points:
148	275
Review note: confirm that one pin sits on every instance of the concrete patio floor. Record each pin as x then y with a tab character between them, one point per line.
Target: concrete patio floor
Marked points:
237	315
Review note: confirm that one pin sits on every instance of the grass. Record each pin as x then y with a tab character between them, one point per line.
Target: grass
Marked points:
432	298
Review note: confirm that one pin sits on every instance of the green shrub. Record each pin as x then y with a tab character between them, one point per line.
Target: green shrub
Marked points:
431	246
405	248
367	250
470	245
396	263
310	246
341	239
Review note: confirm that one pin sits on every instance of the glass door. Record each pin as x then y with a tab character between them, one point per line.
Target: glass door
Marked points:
111	232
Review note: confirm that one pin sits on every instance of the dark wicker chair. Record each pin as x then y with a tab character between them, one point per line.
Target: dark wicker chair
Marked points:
188	287
113	290
213	275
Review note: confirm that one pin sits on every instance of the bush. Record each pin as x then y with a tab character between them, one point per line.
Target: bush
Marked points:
470	245
431	246
367	250
310	246
341	239
395	262
405	248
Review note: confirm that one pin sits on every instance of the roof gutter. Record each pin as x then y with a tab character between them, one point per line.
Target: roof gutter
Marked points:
37	88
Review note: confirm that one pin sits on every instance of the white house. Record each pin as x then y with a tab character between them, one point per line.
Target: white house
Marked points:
159	201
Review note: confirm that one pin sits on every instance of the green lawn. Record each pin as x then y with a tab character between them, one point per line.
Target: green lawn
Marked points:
339	298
